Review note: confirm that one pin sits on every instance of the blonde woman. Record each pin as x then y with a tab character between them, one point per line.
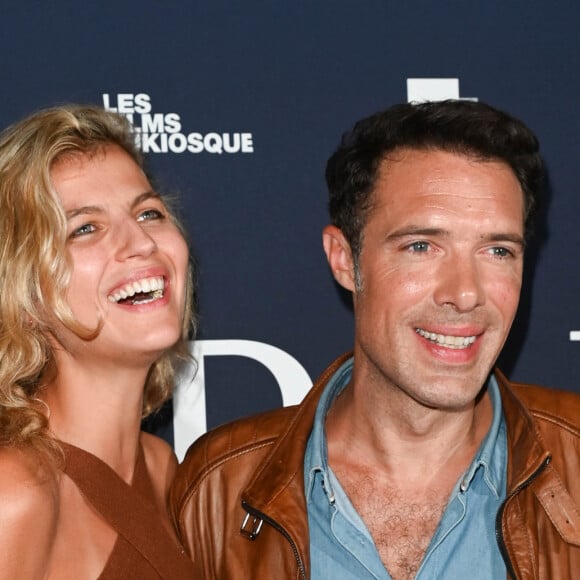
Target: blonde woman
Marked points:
95	306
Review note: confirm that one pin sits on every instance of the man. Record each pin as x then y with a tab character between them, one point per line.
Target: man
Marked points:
414	457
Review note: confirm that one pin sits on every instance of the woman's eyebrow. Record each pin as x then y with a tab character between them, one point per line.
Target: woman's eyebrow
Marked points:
144	197
95	209
84	210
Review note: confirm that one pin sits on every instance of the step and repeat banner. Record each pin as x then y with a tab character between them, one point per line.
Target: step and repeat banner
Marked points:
239	104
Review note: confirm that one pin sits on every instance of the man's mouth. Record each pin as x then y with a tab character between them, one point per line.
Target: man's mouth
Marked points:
447	341
139	292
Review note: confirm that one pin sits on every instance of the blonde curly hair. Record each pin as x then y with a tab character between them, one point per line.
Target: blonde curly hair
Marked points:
35	269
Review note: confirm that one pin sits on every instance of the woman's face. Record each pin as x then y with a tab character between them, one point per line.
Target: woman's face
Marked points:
129	260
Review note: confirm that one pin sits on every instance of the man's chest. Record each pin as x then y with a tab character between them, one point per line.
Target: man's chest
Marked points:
400	522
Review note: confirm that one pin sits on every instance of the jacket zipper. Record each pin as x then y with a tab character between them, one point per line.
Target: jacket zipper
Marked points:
498	519
277	526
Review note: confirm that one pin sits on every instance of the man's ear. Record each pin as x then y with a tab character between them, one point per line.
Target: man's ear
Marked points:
339	256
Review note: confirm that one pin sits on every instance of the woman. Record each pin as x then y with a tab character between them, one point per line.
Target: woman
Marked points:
95	295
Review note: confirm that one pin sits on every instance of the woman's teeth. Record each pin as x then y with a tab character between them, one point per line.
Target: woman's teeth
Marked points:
145	290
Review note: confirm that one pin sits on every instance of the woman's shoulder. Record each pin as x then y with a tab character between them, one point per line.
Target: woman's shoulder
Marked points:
29	505
26	482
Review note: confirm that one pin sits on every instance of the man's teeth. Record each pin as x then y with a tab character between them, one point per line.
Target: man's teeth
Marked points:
154	286
447	341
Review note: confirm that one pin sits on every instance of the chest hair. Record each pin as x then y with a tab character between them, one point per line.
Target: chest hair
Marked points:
401	522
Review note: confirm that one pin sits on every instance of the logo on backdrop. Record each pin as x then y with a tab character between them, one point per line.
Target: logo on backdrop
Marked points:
434	89
189	411
159	132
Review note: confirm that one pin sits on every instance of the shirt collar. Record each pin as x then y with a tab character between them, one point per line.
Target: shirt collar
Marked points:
490	456
316	458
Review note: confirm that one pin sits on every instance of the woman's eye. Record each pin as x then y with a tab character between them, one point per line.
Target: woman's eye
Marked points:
150	214
83	230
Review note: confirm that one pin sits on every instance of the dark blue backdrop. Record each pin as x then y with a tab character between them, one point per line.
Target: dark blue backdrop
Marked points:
282	80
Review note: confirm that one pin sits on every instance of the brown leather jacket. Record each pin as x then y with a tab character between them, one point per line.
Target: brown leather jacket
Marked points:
238	499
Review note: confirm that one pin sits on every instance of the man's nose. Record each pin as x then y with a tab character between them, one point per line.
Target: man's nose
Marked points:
459	283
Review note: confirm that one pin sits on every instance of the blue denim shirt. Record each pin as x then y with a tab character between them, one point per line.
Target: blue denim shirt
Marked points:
464	544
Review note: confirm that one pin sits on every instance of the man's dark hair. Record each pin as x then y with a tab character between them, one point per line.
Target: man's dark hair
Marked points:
463	127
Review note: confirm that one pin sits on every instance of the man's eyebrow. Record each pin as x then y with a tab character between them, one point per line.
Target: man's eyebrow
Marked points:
96	209
506	237
440	232
417	231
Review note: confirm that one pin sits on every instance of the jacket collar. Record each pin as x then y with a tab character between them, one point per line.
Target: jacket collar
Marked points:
526	452
530	462
276	491
283	469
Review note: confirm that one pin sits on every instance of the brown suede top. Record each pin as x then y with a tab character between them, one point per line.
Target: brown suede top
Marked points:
143	549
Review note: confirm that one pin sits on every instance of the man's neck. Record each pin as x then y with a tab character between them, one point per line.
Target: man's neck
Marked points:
403	440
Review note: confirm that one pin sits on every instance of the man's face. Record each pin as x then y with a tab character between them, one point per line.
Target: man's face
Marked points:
440	275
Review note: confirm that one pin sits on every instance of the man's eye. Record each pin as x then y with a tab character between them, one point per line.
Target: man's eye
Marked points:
83	230
418	247
150	214
500	252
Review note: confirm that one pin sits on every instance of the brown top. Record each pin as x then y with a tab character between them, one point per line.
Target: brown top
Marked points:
144	550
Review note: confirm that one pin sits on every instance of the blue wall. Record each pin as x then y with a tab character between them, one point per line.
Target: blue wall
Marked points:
283	80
